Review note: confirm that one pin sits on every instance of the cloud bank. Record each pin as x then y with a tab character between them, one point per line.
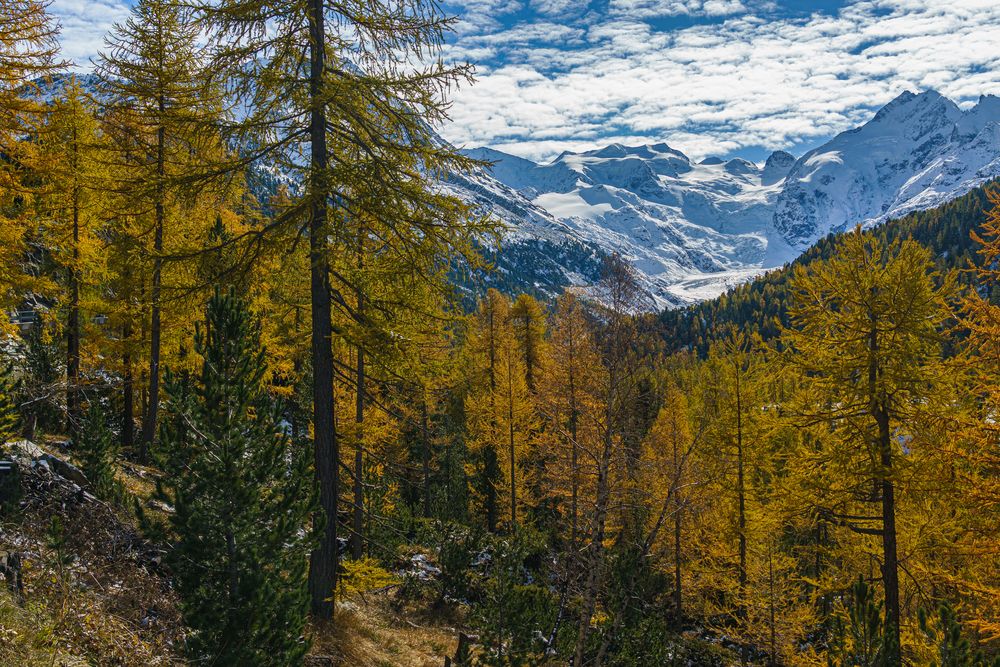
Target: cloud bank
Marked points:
710	77
707	76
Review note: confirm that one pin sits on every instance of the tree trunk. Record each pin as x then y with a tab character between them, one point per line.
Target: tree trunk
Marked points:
153	404
491	464
678	598
574	450
742	519
425	454
357	535
510	444
73	324
128	398
596	549
323	561
770	578
890	565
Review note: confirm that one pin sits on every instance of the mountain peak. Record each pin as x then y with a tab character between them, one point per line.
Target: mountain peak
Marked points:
778	164
908	105
740	167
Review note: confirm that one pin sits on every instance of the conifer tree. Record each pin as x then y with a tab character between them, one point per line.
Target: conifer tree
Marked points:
69	157
528	321
242	494
97	452
866	334
160	121
975	464
571	406
501	419
8	407
862	639
336	81
28	51
670	442
620	298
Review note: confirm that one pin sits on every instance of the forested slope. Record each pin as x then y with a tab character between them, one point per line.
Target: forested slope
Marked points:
762	304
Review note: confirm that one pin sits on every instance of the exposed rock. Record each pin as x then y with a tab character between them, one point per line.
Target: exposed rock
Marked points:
65	469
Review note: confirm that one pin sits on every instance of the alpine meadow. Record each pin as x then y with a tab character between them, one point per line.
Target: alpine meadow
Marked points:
596	333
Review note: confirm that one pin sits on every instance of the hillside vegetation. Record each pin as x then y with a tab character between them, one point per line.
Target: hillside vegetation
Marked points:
248	428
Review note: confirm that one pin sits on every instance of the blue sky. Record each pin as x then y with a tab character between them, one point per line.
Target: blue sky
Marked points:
710	77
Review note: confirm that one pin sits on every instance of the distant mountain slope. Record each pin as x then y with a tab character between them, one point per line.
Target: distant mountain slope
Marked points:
696	229
537	253
761	305
691	229
918	152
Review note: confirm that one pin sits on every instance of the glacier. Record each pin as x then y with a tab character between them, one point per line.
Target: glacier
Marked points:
694	229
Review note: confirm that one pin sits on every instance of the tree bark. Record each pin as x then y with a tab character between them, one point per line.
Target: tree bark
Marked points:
678	509
742	520
323	561
128	398
357	534
491	463
426	454
73	324
510	444
153	404
890	564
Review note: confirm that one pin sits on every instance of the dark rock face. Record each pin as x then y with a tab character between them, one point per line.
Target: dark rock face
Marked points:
778	164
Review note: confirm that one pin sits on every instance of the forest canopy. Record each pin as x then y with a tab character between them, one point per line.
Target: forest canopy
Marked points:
229	269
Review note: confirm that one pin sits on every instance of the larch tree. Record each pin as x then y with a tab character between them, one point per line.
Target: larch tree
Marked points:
669	445
866	333
499	413
978	463
570	407
28	51
312	77
528	321
620	299
160	115
737	435
72	215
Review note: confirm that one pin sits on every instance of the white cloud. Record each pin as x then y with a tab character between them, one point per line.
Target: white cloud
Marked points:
721	85
649	8
84	24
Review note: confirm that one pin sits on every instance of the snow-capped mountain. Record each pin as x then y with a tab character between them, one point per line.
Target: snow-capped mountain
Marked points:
689	228
692	229
919	151
536	252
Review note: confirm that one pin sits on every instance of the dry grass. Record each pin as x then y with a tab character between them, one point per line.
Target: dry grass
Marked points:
370	633
94	596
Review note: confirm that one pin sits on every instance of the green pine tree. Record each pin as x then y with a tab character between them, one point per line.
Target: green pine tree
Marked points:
41	378
8	409
863	640
242	492
953	648
97	451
